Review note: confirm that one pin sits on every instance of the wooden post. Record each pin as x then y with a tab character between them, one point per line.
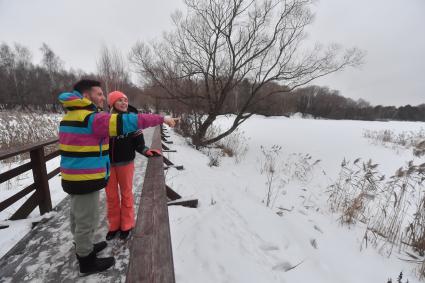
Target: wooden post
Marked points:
167	161
41	180
165	147
29	205
171	194
193	203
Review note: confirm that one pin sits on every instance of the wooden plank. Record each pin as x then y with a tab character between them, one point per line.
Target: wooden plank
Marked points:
11	200
168	142
178	167
167	161
5	176
140	265
169	150
164	147
53	173
151	259
171	194
22	149
41	180
162	243
29	205
52	155
193	203
15	172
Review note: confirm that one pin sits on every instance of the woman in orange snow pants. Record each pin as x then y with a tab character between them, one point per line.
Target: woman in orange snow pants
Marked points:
119	191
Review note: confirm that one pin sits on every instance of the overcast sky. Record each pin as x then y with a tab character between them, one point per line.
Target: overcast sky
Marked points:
392	32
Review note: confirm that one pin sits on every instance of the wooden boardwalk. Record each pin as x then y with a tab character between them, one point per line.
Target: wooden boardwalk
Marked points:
47	254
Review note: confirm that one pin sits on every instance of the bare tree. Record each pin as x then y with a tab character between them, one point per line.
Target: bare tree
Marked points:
218	44
53	65
50	60
111	68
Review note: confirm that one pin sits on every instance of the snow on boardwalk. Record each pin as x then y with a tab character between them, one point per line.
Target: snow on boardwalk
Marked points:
47	253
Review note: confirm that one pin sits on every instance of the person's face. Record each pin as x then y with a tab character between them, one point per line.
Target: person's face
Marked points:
95	95
121	104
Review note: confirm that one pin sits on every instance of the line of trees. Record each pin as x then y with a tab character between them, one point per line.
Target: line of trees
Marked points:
28	85
327	103
24	83
318	101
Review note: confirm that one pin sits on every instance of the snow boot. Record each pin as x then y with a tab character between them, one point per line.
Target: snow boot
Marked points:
92	264
111	234
124	234
98	247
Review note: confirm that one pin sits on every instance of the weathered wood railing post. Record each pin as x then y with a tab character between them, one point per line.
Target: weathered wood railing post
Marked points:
37	164
41	181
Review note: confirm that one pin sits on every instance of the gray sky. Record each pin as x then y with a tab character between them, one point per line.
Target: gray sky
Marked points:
392	32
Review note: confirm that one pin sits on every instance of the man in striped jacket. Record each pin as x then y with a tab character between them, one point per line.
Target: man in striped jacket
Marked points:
84	145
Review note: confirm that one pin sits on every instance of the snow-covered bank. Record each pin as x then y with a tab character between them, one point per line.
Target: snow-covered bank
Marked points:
234	237
18	128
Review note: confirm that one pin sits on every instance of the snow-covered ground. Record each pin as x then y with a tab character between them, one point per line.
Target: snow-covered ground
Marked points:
233	237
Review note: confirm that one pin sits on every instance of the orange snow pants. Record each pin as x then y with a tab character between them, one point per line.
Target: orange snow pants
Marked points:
119	198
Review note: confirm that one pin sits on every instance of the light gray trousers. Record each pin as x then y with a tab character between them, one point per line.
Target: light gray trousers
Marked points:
84	221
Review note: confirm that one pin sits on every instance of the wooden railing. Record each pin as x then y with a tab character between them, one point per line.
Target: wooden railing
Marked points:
37	164
151	257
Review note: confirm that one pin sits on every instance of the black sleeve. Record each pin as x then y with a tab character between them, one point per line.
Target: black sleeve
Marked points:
139	142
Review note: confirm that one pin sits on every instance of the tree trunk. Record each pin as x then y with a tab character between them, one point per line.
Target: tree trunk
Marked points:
198	137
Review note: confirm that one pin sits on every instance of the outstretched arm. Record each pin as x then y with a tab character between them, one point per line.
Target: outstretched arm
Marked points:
105	124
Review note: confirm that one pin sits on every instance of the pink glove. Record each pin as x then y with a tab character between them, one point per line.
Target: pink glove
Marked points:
152	152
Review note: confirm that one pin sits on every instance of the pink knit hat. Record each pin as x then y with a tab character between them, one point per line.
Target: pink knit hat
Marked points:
114	96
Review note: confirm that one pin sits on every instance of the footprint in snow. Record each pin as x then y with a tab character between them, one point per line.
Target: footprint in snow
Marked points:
313	243
317	228
284	266
269	247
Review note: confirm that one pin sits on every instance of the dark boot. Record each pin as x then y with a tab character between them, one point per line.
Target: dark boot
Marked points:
111	235
98	247
92	264
125	234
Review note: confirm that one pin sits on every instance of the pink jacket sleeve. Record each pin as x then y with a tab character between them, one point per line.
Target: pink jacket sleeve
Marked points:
149	120
124	123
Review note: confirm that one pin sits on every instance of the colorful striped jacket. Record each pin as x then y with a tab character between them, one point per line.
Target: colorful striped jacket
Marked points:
84	141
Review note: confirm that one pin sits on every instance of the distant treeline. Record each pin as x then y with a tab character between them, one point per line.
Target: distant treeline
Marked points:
317	101
26	84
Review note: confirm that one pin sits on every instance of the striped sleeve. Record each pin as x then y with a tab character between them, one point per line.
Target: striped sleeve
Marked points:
105	124
149	120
